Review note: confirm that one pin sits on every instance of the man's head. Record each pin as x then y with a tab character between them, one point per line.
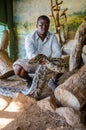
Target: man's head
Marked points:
43	25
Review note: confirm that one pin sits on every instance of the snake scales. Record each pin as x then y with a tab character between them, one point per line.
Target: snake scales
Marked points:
38	82
54	64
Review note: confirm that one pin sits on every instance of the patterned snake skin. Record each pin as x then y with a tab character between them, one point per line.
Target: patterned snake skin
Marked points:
54	64
38	82
39	79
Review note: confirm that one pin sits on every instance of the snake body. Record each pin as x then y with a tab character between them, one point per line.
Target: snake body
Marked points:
38	82
54	64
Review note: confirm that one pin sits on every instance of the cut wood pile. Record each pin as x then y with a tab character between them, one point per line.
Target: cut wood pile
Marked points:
25	113
51	113
73	91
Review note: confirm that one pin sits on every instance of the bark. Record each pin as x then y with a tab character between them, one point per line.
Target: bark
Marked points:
73	91
5	62
78	44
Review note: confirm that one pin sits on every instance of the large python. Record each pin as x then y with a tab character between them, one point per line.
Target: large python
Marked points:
38	82
54	64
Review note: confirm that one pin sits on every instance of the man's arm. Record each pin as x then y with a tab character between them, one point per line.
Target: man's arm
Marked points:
30	48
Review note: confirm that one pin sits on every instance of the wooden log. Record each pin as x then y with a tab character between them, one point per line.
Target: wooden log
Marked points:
5	62
4	40
78	43
84	54
72	92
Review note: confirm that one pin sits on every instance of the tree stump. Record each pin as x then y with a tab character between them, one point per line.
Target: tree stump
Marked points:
72	92
78	43
4	40
5	63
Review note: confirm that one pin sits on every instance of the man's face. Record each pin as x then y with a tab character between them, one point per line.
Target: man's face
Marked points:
42	26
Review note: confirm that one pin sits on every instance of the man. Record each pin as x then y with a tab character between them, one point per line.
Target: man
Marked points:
40	42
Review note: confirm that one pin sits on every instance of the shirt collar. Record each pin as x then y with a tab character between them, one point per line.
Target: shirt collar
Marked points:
48	35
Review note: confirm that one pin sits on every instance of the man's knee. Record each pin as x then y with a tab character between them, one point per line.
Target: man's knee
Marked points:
19	70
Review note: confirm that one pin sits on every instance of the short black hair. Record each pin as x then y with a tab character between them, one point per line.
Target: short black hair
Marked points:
43	17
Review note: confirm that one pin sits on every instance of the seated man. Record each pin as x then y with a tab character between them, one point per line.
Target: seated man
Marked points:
40	42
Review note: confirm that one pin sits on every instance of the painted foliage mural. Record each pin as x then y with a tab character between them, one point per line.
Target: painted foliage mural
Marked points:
65	15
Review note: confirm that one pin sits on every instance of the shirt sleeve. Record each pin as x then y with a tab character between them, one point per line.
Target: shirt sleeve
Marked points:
56	48
30	48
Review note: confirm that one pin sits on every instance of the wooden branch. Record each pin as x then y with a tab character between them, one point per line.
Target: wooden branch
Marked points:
64	14
55	10
60	3
52	14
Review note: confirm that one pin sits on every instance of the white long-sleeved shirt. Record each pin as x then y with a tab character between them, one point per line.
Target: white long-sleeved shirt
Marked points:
49	47
34	45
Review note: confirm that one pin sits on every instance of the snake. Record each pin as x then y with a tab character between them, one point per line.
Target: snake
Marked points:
54	64
39	79
38	82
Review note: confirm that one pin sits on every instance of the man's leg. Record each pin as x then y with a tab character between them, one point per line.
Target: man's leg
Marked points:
20	71
52	84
